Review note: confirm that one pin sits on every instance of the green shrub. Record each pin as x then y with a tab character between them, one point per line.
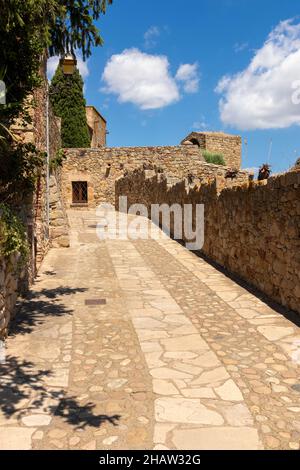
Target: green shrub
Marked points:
13	237
58	160
215	158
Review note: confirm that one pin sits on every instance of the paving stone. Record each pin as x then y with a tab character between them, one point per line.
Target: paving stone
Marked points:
161	431
164	387
213	377
57	433
143	420
38	435
272	442
74	441
160	447
89	446
36	420
16	438
229	391
58	378
238	415
180	410
204	392
166	373
205	360
294	445
118	383
184	355
222	438
186	343
274	333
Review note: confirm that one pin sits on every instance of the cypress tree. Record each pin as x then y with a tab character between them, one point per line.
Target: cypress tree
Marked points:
67	99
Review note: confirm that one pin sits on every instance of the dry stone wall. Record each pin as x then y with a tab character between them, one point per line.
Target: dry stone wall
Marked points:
100	168
230	146
34	210
59	226
251	228
10	279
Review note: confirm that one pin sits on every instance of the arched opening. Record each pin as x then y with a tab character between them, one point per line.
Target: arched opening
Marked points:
194	141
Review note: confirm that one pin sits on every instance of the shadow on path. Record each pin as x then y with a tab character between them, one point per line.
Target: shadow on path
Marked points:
290	315
81	415
22	386
22	392
37	305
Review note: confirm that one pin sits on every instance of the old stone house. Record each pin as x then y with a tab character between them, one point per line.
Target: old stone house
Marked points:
89	175
97	127
230	146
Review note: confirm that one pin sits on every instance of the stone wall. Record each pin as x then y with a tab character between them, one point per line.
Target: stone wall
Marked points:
97	127
58	220
8	292
59	226
42	219
33	210
252	229
230	146
101	167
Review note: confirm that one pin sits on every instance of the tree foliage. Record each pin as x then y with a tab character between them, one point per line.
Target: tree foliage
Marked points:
29	30
13	238
66	95
74	26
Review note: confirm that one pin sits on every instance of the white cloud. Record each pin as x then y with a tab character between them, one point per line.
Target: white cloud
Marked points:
141	79
189	75
52	64
200	125
260	97
151	36
240	46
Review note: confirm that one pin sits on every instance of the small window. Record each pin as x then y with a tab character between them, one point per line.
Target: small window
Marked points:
80	192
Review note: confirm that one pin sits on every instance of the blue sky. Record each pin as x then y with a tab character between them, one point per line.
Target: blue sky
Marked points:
212	39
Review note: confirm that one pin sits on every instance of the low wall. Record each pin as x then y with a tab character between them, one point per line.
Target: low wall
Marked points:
59	225
32	209
8	292
100	168
252	229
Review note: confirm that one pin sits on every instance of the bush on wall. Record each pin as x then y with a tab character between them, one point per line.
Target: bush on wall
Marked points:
215	158
13	239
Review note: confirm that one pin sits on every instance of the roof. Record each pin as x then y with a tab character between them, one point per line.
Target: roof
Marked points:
96	111
196	135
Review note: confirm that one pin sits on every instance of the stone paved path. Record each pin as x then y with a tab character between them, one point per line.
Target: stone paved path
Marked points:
178	356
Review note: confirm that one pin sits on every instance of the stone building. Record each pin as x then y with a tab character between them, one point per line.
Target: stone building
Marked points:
97	127
230	146
89	175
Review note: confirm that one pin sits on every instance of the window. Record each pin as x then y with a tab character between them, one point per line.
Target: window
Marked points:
80	192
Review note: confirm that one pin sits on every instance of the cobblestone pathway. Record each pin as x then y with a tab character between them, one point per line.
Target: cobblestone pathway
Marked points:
142	344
